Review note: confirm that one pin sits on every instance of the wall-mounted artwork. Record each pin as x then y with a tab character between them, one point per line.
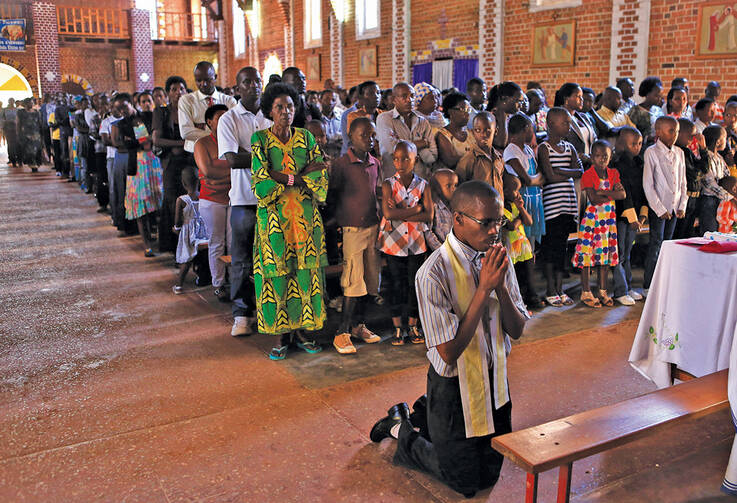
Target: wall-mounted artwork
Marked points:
120	67
553	44
367	64
313	68
717	29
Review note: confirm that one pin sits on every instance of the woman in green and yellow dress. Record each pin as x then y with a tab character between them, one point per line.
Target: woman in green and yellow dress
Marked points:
289	179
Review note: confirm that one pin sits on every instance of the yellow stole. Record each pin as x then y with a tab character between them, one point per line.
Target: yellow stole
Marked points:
473	365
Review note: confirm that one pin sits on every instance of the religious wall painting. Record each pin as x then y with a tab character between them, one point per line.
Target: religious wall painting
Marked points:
717	29
313	68
553	44
367	62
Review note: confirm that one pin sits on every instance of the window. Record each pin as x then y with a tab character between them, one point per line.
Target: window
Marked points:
538	5
254	19
150	6
368	16
239	30
313	23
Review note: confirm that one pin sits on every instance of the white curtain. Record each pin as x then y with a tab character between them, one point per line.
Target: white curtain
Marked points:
442	73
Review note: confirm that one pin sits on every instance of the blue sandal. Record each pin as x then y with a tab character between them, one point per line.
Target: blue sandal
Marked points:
278	352
307	345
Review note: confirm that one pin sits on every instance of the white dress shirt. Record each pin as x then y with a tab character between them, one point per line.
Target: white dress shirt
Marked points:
192	108
390	128
664	179
235	128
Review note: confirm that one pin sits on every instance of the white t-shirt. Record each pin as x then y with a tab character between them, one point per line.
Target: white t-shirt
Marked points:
522	155
235	128
105	128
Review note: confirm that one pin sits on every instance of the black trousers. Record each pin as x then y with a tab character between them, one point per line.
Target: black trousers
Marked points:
402	296
58	158
466	465
101	187
685	226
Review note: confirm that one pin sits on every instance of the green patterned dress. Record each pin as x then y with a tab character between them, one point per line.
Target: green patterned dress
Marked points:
289	246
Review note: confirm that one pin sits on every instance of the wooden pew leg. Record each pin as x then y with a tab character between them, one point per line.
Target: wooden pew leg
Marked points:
564	483
531	488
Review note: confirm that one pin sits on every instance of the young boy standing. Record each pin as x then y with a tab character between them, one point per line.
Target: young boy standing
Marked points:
696	165
355	176
631	211
664	182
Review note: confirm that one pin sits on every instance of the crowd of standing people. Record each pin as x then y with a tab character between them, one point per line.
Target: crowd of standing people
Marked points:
286	181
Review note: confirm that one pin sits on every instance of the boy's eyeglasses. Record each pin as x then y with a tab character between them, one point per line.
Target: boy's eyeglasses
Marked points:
487	222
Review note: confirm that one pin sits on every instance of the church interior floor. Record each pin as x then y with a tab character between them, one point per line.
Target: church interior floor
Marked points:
114	389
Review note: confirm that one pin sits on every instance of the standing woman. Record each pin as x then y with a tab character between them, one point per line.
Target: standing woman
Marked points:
644	114
144	186
214	175
454	140
289	180
174	158
30	142
582	134
505	100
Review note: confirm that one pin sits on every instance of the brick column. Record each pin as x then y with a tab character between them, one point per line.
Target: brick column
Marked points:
47	47
630	40
491	41
400	40
223	43
142	49
336	49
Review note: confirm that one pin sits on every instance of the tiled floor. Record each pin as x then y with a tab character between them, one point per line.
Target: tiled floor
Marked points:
113	389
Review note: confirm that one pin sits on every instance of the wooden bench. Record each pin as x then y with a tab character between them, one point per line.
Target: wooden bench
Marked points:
558	444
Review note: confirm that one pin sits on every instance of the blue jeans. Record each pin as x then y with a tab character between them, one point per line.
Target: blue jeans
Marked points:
242	223
660	230
708	214
622	272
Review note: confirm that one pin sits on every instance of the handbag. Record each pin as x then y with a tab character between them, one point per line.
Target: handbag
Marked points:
199	230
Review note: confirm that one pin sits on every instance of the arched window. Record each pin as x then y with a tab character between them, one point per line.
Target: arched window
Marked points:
239	30
13	84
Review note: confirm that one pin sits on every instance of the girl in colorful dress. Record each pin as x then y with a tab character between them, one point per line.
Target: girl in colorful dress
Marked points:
407	209
289	180
519	247
190	226
597	234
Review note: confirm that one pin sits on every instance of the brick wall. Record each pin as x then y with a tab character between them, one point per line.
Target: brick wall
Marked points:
461	22
673	52
178	60
47	46
95	64
593	34
142	50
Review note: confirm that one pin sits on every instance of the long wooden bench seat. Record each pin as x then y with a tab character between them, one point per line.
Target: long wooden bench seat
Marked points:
559	443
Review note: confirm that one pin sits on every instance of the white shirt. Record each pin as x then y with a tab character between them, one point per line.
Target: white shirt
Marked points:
105	128
390	128
664	179
235	128
192	108
699	126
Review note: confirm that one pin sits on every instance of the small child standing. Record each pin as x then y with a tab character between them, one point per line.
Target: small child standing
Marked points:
520	249
520	161
597	234
727	211
407	208
189	225
712	193
443	184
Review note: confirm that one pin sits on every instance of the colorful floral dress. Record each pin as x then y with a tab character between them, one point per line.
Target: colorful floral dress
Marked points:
597	234
289	246
519	246
144	192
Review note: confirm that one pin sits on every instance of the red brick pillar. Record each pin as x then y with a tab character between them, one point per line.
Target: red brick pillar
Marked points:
47	46
400	40
142	49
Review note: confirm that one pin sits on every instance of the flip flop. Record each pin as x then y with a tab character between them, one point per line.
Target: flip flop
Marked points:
566	300
605	299
589	299
554	301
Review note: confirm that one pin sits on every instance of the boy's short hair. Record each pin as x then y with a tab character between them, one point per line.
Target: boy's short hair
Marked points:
684	123
601	144
484	115
211	111
326	91
357	122
711	135
406	144
474	81
174	79
518	123
120	97
728	182
660	121
364	85
556	111
703	104
314	122
625	131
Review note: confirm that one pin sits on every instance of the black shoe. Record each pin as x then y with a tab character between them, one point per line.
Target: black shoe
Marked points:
395	415
420	405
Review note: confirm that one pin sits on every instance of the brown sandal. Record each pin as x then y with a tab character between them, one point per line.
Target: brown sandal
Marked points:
589	299
605	299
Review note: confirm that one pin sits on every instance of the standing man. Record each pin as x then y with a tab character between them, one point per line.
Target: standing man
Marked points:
476	91
192	106
331	119
235	128
713	90
403	123
303	112
628	91
469	306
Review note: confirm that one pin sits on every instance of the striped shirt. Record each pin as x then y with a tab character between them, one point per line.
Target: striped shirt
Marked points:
439	321
559	198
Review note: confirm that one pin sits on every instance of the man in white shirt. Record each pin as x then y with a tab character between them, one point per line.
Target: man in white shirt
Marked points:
235	128
403	123
331	119
704	112
664	183
192	106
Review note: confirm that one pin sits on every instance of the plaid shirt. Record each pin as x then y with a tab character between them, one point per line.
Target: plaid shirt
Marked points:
727	216
401	237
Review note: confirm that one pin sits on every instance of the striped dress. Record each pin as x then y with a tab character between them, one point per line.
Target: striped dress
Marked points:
559	198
